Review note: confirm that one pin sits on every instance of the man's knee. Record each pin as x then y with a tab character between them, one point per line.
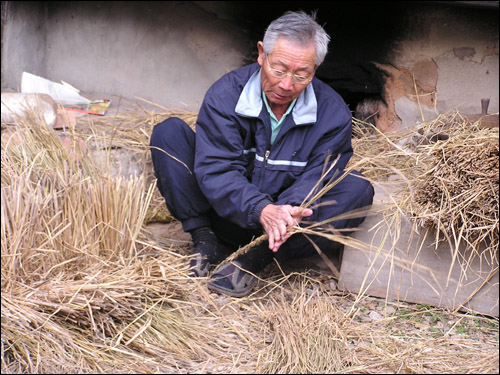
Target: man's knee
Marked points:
351	193
359	188
169	130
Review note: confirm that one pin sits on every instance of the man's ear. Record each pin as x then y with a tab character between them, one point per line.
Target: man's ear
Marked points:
260	48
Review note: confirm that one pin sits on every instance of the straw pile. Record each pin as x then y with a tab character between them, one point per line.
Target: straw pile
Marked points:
450	169
458	193
86	290
82	289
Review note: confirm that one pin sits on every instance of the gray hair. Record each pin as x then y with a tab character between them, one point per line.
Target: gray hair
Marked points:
297	27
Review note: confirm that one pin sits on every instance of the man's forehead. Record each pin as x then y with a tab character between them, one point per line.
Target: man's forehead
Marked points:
285	49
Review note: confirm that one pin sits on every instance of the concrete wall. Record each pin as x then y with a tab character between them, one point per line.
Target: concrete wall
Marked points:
24	36
171	52
166	52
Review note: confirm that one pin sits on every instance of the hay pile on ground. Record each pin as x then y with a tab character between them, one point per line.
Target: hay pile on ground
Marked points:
81	289
85	290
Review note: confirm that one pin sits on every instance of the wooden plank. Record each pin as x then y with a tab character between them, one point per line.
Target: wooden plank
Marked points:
406	266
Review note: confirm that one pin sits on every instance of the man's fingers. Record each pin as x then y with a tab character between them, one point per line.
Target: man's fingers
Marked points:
300	212
277	245
276	236
277	220
270	239
307	212
283	229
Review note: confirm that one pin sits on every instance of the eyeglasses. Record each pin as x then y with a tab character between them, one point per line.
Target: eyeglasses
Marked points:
296	78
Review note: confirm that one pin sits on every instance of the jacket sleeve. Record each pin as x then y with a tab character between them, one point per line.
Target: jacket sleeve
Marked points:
220	165
334	142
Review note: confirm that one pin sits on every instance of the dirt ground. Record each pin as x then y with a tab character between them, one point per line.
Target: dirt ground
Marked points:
415	319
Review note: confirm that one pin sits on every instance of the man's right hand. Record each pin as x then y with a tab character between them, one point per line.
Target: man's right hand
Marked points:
278	219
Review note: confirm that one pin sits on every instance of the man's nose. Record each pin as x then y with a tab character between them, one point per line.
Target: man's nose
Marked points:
286	83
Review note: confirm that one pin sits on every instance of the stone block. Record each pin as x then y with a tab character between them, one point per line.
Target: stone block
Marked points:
402	263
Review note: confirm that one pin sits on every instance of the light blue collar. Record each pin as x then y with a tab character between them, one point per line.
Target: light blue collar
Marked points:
250	102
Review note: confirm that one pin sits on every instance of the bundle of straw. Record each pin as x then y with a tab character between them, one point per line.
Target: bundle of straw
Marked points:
458	192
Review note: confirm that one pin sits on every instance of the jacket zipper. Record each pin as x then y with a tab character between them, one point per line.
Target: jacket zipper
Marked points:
266	157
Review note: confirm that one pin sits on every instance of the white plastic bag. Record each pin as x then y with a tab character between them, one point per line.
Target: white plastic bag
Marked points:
62	93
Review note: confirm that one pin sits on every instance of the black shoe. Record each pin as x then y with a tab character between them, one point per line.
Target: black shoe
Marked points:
199	266
206	250
256	259
232	280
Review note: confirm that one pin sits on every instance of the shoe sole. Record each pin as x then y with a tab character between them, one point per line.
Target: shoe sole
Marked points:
232	292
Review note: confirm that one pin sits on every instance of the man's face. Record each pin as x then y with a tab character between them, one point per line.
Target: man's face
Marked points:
290	58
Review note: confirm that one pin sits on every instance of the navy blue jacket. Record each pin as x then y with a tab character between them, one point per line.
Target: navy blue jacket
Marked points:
237	168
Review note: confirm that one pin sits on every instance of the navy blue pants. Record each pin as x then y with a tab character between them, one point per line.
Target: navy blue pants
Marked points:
186	202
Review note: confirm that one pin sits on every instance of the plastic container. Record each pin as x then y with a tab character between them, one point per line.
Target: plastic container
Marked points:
20	106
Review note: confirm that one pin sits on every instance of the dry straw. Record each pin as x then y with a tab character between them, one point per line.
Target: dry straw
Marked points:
310	334
458	192
84	290
79	291
448	182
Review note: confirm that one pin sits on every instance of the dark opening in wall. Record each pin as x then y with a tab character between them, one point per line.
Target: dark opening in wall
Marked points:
361	33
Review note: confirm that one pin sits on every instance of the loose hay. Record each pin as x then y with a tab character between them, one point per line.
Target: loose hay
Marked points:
310	334
85	291
82	288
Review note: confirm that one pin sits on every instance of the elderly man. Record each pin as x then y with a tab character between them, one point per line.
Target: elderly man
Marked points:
262	137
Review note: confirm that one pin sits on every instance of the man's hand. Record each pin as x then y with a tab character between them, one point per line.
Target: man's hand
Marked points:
278	219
